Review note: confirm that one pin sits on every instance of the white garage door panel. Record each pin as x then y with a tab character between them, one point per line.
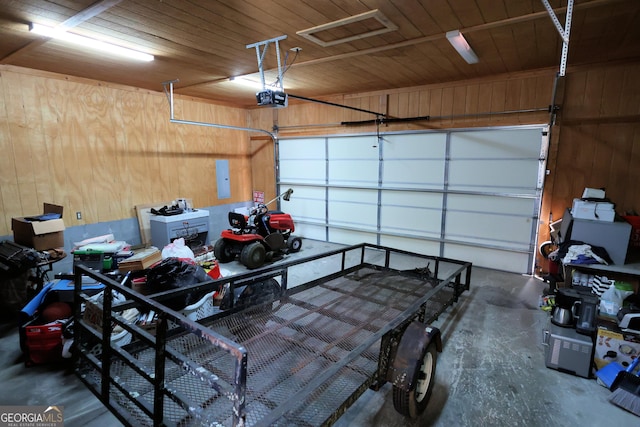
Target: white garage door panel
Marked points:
353	214
418	199
427	145
488	228
355	195
414	160
310	231
406	220
351	207
489	258
311	149
353	161
493	175
399	190
415	173
351	237
496	143
491	204
307	171
413	245
353	172
406	212
308	204
353	147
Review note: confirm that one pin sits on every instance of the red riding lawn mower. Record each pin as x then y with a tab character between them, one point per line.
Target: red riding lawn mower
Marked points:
262	236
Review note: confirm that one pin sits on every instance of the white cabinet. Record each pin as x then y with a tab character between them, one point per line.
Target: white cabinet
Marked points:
613	236
193	226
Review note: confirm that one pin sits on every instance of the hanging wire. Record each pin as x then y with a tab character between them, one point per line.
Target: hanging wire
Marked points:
286	68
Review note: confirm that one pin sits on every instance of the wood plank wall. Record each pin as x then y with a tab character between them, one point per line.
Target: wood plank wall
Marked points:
599	137
102	149
482	101
595	142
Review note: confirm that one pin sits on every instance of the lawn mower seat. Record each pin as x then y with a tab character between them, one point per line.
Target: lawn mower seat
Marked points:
237	220
262	224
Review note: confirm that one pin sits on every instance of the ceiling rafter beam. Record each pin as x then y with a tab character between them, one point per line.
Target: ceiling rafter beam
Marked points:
90	12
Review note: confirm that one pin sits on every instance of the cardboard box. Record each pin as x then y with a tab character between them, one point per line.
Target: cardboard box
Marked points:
597	211
40	235
611	338
140	260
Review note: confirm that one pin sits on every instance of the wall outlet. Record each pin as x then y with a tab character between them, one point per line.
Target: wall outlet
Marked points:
78	215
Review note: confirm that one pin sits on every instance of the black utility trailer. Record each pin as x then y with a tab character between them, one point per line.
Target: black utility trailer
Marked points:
341	322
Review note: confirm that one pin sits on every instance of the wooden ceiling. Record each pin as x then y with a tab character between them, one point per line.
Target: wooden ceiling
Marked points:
203	42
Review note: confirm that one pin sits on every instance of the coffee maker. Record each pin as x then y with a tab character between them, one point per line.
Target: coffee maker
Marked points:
575	309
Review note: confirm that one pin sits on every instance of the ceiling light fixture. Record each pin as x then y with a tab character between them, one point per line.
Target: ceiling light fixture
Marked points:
460	44
89	42
244	81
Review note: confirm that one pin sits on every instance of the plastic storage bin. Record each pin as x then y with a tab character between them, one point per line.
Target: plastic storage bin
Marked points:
44	343
634	240
203	308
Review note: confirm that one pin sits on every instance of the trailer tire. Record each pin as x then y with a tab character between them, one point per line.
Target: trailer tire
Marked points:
413	402
223	251
253	255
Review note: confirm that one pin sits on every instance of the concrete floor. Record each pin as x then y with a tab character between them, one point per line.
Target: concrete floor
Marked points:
491	371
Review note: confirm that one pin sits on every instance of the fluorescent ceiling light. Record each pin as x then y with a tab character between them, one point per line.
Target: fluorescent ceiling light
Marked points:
244	81
460	44
89	42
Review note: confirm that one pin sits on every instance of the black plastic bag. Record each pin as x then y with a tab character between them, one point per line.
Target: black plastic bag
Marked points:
254	293
174	274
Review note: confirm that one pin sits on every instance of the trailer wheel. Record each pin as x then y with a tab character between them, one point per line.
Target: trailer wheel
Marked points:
253	255
222	251
412	403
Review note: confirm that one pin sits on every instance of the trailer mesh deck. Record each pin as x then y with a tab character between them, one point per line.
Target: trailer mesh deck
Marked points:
308	354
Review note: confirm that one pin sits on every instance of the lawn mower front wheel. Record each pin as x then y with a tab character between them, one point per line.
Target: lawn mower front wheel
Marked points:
294	244
253	255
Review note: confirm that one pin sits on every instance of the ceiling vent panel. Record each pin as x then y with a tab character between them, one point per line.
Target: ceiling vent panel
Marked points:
344	30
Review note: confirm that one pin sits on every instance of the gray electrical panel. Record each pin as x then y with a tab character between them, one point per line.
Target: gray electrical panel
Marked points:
222	178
